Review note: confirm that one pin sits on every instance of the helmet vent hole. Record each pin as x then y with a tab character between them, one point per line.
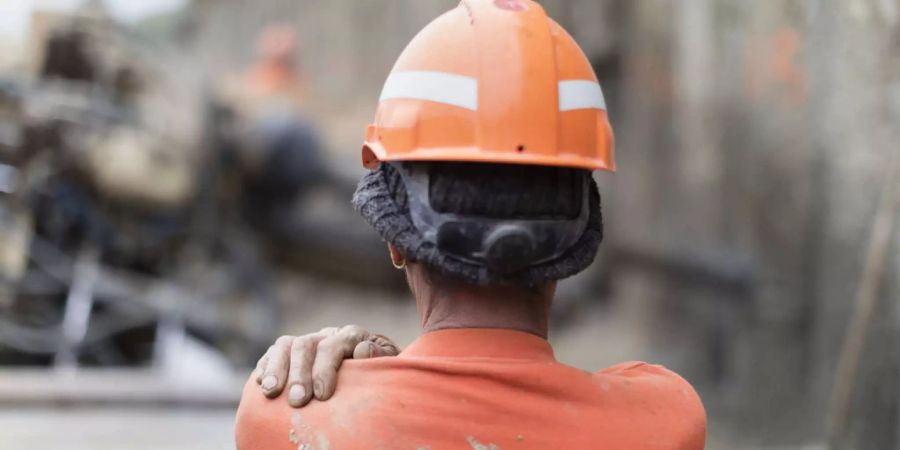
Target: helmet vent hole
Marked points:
520	148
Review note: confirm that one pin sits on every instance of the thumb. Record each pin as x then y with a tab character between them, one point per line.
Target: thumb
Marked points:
375	347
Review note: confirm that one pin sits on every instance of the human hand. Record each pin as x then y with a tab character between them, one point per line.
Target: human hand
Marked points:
307	365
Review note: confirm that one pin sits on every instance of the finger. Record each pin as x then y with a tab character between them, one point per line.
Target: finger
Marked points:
386	347
375	347
303	353
275	374
330	353
261	367
365	350
328	331
302	356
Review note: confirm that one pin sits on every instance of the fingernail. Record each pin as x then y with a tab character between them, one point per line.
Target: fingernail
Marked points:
269	382
297	393
318	388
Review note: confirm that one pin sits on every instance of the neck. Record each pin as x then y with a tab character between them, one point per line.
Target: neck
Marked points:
448	305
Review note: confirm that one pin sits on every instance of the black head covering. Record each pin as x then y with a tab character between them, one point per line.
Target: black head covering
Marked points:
381	199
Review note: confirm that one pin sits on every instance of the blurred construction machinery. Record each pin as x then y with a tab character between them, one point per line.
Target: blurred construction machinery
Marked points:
95	207
120	238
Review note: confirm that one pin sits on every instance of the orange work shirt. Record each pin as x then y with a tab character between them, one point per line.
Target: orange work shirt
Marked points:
481	389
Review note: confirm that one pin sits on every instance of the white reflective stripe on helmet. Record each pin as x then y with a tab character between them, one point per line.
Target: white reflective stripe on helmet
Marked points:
580	94
462	91
451	89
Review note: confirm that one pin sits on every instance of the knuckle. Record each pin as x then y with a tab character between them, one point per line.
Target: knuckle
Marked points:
304	377
389	349
354	332
386	344
323	372
284	340
328	331
331	351
328	345
299	359
301	343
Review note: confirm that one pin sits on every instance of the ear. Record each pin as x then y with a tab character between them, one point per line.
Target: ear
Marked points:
396	257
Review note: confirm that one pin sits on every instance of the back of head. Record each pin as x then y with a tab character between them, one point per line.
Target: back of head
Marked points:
486	132
486	224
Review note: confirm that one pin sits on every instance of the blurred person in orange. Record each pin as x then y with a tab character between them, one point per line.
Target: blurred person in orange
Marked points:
274	144
276	75
486	135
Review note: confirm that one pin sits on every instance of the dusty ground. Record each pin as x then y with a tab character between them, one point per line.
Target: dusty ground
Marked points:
116	429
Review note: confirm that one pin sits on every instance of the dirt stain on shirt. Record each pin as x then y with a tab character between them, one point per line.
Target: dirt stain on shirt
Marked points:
479	446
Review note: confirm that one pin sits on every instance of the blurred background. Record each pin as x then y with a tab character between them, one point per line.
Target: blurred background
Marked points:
175	179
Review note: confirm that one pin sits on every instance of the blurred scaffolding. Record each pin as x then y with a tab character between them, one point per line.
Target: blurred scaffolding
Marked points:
752	220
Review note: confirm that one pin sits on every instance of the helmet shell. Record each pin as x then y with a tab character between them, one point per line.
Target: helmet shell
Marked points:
493	81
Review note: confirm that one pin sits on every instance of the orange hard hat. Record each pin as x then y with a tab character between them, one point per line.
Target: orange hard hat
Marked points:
493	81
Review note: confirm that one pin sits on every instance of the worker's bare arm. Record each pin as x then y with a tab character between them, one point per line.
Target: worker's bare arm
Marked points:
307	365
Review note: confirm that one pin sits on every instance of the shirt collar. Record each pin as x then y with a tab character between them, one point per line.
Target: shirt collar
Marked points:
480	343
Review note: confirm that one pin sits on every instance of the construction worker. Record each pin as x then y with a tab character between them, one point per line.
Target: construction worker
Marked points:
487	132
279	149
